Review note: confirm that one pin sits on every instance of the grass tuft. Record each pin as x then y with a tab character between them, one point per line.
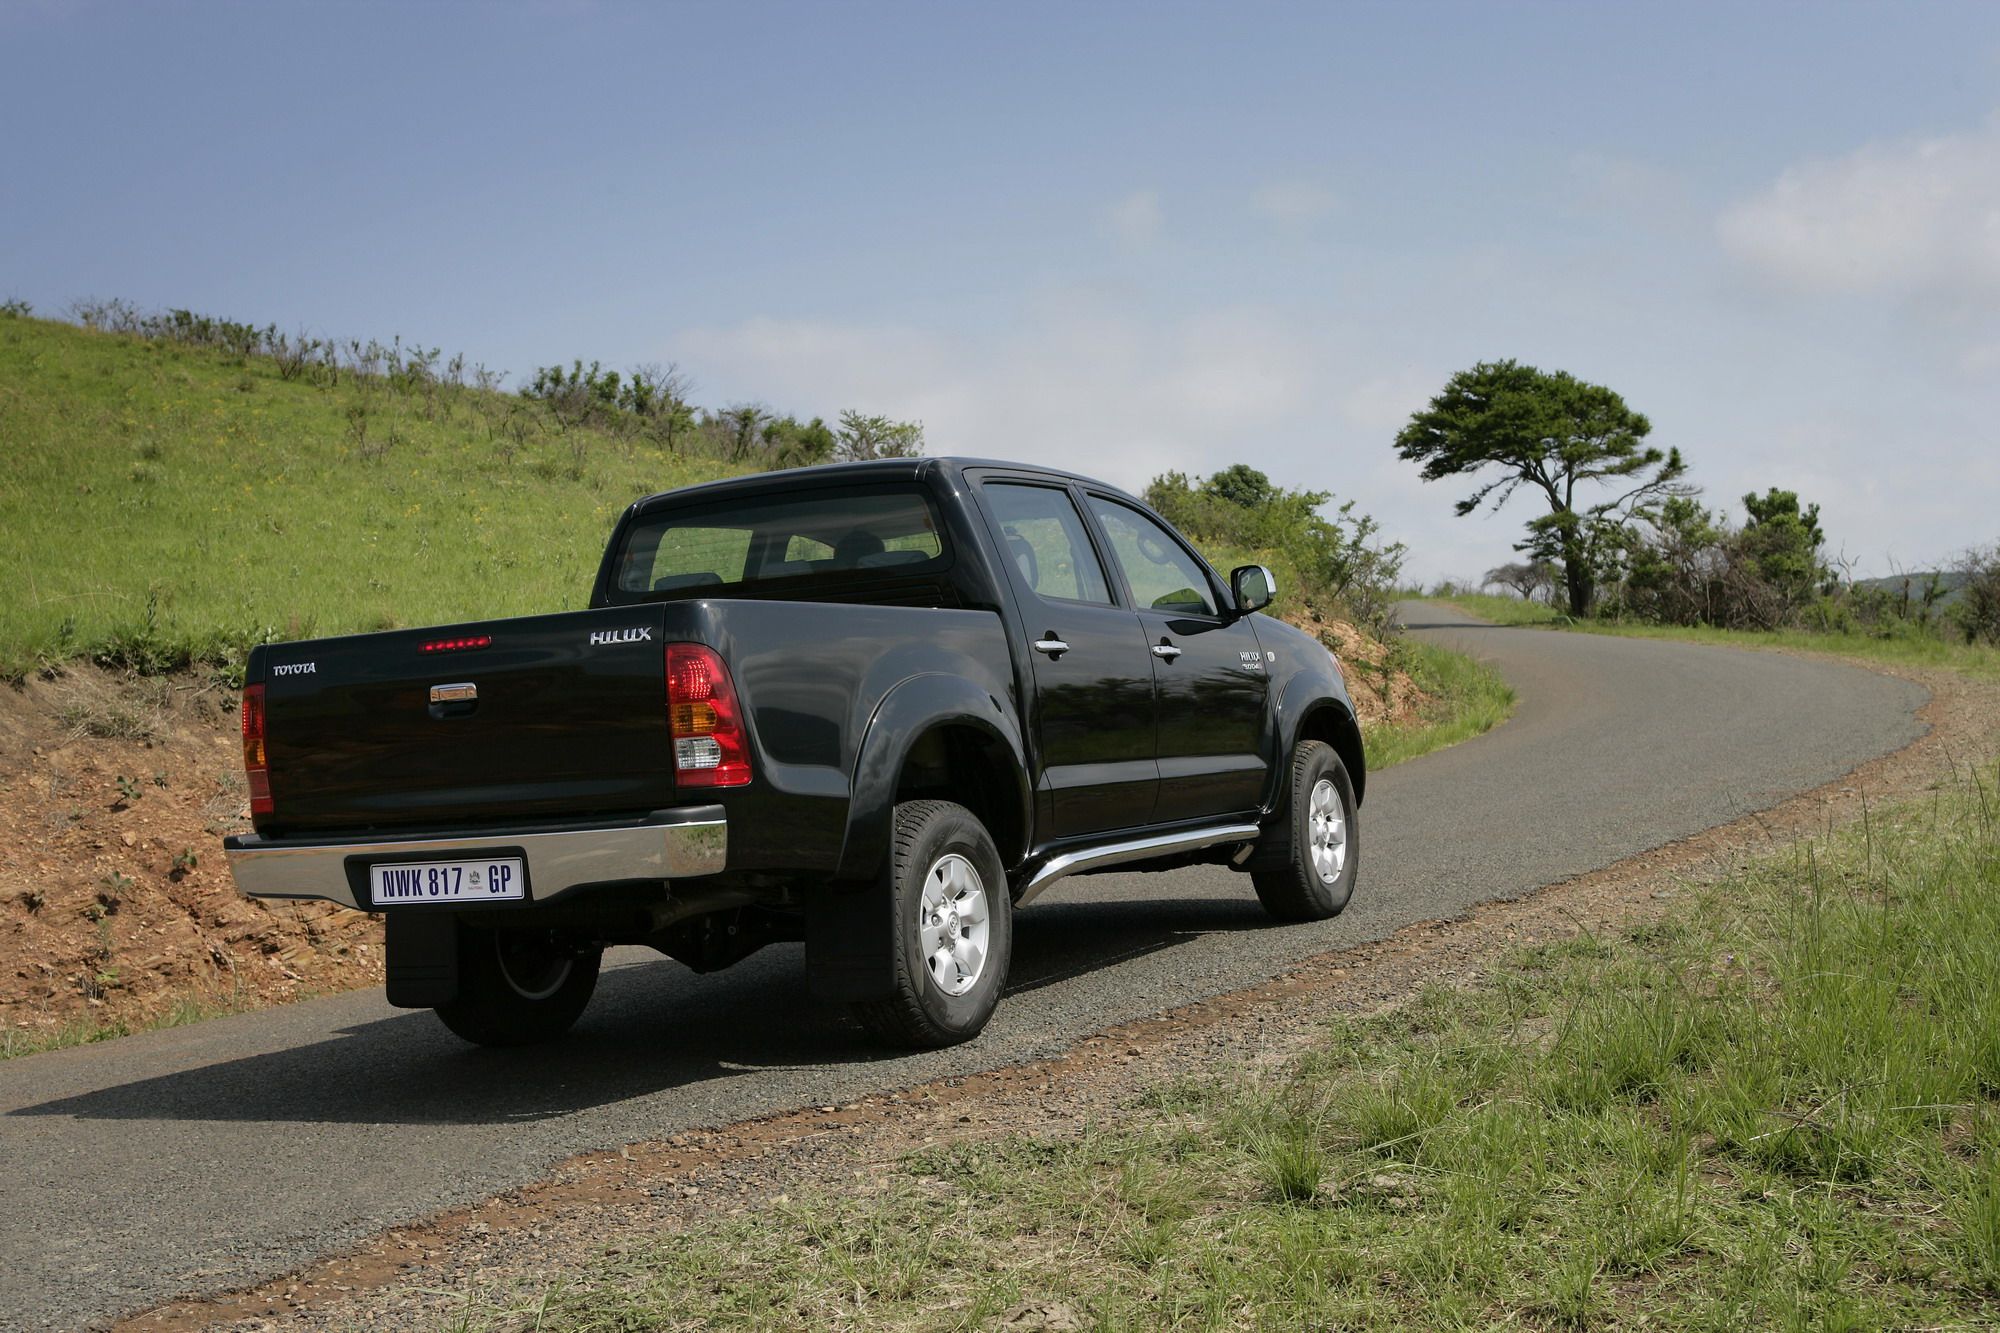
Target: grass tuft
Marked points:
1469	699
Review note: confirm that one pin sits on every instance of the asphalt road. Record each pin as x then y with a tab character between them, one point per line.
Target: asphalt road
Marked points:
217	1155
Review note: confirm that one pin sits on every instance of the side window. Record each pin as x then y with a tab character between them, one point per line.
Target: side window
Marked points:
1045	538
1163	576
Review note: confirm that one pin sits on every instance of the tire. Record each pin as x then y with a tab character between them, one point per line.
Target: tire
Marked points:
518	988
1307	860
941	857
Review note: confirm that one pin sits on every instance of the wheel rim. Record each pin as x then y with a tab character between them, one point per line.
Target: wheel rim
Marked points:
1327	831
955	924
534	969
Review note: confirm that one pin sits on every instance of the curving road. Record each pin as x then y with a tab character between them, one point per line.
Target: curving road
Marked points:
217	1155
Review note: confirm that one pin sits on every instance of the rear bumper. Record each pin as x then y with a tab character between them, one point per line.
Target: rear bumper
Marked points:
682	843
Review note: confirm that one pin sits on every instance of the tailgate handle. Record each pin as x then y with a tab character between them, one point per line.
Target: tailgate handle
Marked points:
455	700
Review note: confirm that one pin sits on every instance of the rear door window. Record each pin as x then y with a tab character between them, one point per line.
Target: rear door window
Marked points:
1046	541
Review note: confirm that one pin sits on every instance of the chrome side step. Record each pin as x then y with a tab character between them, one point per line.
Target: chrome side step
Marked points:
1139	849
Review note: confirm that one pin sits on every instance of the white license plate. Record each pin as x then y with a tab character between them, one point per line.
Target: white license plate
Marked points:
497	880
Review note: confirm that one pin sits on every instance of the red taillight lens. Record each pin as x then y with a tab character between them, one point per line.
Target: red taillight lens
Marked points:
710	747
256	764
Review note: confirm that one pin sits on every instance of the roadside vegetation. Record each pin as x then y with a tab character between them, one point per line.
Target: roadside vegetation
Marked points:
1334	569
1625	535
1947	652
1776	1106
1621	539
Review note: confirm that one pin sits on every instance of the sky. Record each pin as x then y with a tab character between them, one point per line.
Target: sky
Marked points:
1118	238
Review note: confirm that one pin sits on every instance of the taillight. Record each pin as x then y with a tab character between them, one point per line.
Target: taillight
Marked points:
710	747
256	764
456	645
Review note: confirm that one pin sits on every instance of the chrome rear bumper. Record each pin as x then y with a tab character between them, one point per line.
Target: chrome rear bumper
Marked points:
669	844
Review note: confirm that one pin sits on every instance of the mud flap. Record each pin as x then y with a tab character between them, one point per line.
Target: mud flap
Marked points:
850	943
422	960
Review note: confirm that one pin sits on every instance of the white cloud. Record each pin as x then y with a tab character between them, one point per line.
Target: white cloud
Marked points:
1293	203
1915	218
1081	382
1136	219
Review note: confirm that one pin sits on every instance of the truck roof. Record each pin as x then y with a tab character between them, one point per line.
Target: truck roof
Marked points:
876	469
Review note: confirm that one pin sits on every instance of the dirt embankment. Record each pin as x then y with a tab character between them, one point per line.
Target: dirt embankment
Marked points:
116	904
1383	693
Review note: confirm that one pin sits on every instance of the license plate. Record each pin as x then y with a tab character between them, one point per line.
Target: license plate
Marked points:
497	880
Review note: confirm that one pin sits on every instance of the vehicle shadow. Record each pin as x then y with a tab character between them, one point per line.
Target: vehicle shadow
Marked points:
653	1027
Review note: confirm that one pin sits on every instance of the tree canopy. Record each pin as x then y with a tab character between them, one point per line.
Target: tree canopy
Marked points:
1512	425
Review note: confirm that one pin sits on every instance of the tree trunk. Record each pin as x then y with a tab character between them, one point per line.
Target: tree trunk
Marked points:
1576	576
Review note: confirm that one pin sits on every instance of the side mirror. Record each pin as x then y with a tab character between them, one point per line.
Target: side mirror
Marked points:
1253	588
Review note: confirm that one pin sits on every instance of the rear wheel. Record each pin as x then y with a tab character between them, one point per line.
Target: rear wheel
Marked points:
954	929
518	987
1307	860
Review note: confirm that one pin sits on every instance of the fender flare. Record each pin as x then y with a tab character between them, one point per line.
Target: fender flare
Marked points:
913	707
1303	700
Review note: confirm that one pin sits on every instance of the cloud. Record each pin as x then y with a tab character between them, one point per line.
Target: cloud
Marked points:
1136	219
1913	218
1293	203
1081	381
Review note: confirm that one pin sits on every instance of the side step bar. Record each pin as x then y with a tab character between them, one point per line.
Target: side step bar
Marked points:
1139	849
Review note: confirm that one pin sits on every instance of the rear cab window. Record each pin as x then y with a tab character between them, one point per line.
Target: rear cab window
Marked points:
1047	542
798	539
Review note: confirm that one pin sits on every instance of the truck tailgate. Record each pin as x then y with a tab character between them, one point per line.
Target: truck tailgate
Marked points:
458	726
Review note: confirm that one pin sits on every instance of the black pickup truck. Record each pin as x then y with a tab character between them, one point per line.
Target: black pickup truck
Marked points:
876	707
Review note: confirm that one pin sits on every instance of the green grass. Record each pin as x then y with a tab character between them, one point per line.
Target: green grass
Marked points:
1913	649
1777	1107
1503	610
1468	699
86	1031
166	503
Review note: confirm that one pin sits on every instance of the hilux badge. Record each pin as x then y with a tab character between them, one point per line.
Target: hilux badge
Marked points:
643	634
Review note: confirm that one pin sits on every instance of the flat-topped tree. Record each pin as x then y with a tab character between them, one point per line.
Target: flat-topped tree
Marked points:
1556	434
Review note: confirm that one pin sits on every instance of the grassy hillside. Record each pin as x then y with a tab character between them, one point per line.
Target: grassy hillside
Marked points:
164	503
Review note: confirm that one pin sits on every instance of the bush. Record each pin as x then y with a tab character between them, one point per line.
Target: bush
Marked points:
1337	560
1978	611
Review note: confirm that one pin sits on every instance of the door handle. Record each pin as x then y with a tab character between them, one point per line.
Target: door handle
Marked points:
1053	646
1166	650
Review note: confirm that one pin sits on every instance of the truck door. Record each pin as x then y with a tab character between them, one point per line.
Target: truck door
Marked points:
1093	705
1208	671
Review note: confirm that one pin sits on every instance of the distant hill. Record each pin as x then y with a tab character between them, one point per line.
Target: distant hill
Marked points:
1912	586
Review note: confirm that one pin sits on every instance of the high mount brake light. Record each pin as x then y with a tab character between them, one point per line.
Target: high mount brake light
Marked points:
256	763
456	645
710	746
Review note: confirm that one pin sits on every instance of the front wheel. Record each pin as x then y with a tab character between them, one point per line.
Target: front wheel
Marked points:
1308	858
954	929
518	987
